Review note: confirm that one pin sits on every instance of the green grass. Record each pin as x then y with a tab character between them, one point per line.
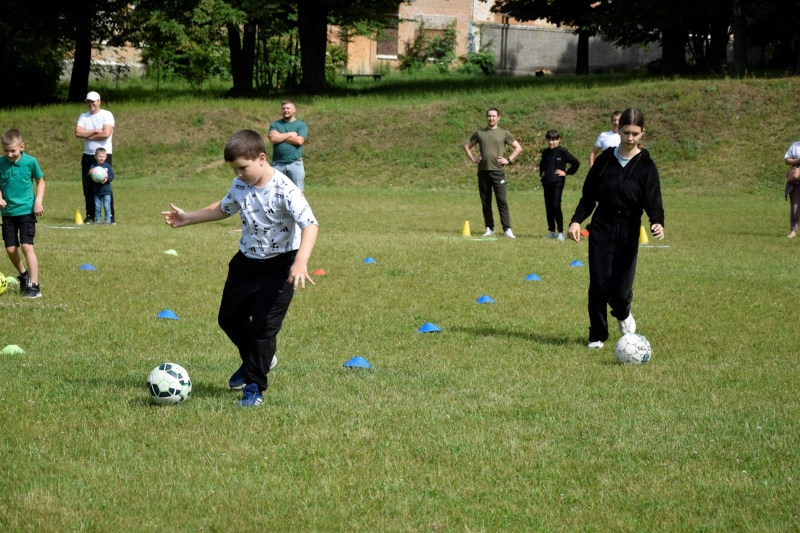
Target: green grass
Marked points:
504	421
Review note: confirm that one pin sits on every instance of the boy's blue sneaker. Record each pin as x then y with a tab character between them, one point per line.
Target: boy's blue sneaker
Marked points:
237	379
252	396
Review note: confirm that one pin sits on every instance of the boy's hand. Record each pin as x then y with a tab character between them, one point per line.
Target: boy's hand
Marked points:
560	173
299	274
658	231
175	218
105	180
2	203
574	232
38	210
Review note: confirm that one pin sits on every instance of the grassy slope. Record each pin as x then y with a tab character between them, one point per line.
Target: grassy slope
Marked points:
501	422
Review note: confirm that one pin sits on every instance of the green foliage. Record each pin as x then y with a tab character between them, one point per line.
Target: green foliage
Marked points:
277	60
478	63
335	61
425	50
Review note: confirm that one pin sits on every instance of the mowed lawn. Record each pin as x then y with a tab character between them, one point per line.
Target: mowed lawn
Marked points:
504	421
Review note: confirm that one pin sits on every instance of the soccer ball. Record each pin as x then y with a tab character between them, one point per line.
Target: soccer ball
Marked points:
3	283
633	349
98	174
169	383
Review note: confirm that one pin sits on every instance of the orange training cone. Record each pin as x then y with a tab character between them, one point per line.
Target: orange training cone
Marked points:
643	236
78	217
465	232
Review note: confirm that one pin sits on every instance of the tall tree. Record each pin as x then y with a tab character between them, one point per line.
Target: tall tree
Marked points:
578	14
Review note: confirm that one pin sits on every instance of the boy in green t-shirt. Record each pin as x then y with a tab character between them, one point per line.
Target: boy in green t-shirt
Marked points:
20	208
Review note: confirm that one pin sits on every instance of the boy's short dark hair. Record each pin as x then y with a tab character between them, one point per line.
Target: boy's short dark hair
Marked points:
287	102
616	113
244	144
552	135
493	109
11	136
100	151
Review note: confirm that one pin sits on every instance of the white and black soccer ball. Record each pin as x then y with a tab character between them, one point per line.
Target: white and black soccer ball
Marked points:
633	349
169	383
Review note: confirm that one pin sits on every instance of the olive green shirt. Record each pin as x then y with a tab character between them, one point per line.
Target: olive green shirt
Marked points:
492	144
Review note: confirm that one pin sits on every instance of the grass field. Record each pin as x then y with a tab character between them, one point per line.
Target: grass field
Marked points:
504	421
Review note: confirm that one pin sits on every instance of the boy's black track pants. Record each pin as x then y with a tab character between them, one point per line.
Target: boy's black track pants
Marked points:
255	300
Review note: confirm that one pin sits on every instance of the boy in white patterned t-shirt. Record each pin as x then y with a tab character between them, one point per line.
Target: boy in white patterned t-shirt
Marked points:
278	234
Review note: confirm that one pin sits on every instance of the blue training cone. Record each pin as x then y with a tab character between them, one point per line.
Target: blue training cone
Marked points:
166	313
576	263
357	362
429	327
532	277
485	300
370	261
87	266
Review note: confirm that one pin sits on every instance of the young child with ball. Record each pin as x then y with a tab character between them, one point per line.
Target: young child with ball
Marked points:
102	174
278	235
19	172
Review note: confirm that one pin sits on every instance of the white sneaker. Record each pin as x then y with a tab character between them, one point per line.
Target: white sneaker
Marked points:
488	233
274	362
508	233
551	235
560	237
627	326
595	345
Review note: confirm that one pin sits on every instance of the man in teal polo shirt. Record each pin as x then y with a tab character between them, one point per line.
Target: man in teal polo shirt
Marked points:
288	135
19	208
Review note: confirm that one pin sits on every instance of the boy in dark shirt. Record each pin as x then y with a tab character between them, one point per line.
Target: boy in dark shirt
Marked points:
552	170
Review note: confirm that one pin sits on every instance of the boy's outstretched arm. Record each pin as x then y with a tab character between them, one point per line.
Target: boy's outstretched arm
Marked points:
38	210
178	217
299	271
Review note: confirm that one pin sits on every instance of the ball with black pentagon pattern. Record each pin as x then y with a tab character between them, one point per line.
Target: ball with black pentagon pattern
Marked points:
169	383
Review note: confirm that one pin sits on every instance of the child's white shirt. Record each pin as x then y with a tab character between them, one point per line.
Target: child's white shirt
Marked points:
606	140
272	217
793	152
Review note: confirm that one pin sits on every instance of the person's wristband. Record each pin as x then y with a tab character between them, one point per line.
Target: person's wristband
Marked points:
509	160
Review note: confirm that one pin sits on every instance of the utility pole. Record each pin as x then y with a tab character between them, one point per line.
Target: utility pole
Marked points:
739	39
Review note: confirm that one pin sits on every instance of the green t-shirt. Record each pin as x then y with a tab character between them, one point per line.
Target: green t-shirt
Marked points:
285	152
16	184
492	144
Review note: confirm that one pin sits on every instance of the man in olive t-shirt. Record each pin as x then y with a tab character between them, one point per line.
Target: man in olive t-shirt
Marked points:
492	142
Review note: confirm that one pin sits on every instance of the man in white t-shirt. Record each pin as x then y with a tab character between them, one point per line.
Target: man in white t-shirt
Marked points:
607	139
96	128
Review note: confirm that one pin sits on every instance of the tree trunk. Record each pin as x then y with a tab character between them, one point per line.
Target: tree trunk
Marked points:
312	25
718	55
81	67
243	58
673	51
582	66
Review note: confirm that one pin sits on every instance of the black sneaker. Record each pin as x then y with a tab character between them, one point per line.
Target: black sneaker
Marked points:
32	291
24	281
113	221
88	220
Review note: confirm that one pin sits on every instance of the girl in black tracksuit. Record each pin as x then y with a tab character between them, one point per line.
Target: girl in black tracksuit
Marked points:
553	170
622	183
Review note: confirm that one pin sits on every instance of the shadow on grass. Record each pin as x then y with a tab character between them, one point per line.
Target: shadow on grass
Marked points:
487	331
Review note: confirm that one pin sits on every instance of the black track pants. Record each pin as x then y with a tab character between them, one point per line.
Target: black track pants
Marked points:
552	206
254	303
488	181
613	249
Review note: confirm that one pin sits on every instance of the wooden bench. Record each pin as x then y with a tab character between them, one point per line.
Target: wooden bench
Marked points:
351	77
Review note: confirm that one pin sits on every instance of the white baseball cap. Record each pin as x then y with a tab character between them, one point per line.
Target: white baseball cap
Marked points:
93	96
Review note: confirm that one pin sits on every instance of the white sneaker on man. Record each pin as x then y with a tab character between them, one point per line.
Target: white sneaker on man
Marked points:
560	237
488	233
551	235
594	345
627	326
508	233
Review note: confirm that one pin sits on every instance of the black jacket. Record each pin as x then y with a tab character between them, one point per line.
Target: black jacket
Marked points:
557	159
621	192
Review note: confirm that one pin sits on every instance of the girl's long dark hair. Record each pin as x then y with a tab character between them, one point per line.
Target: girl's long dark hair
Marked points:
632	117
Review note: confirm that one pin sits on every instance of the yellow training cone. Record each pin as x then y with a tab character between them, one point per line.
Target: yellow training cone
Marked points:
465	232
78	217
643	236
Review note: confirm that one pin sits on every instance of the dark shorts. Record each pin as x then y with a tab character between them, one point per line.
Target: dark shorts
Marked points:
23	226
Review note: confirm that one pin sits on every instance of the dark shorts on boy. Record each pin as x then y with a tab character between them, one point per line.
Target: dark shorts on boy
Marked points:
19	229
